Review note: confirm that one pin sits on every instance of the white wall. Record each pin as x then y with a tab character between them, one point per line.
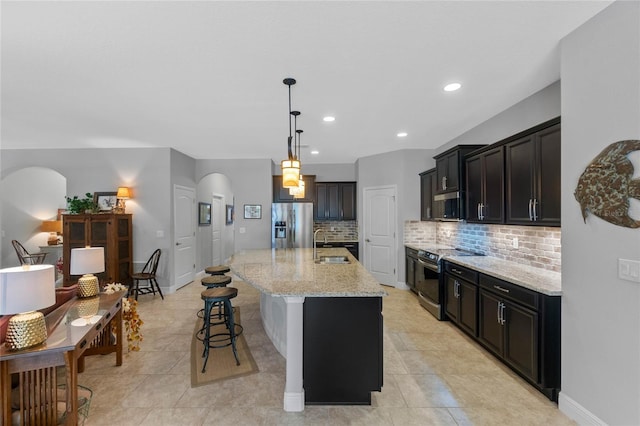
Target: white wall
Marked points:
600	313
219	184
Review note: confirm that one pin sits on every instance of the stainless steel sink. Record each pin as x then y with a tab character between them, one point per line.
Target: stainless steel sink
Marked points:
333	260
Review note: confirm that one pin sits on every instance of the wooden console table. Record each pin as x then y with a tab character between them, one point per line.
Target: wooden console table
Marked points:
70	338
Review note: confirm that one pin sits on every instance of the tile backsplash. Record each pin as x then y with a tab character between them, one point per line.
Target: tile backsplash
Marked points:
537	246
346	230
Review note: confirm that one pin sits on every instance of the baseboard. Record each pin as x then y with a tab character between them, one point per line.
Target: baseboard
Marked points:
577	412
402	286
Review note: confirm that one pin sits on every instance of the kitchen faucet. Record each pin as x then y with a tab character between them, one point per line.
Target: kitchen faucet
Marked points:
315	235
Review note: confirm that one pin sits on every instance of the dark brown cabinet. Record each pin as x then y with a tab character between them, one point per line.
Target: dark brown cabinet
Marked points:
533	178
450	170
485	186
111	231
411	261
343	353
427	190
281	195
335	201
461	297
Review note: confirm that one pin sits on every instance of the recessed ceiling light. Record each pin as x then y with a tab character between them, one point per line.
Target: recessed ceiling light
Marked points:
452	87
402	134
315	152
329	118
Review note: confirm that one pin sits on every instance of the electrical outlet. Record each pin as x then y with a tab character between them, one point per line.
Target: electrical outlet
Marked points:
629	270
243	229
515	243
159	234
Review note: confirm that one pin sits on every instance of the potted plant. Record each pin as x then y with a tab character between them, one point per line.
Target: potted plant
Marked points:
77	205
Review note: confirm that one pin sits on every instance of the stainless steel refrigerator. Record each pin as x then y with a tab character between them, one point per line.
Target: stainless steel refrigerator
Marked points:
291	225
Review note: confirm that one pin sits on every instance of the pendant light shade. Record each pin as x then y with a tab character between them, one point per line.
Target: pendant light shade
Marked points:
291	166
298	192
290	173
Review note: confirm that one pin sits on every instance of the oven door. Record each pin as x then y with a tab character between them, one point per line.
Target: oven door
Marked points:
428	287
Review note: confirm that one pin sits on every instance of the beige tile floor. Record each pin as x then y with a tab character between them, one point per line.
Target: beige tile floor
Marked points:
433	375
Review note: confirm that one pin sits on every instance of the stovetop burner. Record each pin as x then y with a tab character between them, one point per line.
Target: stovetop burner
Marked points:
436	254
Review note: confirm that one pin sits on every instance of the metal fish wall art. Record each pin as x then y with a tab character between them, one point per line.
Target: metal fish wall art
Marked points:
605	186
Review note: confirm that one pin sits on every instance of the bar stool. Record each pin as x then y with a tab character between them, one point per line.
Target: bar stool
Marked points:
214	281
211	297
217	270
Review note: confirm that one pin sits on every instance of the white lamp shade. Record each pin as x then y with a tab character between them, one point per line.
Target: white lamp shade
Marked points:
24	290
88	260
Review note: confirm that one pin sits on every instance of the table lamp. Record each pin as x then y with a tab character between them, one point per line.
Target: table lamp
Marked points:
53	227
23	290
87	261
122	195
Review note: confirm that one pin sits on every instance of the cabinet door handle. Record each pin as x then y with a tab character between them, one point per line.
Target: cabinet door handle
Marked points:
502	289
531	209
456	271
502	314
482	211
479	211
498	312
535	204
444	183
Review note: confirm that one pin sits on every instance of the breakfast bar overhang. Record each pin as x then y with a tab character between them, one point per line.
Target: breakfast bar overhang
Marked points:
325	318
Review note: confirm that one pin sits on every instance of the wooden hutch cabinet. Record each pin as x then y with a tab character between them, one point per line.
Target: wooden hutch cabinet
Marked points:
109	230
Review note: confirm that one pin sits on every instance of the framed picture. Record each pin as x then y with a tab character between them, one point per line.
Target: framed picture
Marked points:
229	214
253	211
204	214
106	201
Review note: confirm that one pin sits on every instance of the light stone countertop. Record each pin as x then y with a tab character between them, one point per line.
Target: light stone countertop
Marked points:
536	279
293	272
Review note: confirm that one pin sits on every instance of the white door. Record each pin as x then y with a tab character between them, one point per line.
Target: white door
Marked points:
217	221
184	217
379	216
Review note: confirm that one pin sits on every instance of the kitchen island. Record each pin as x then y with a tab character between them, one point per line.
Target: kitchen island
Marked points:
324	318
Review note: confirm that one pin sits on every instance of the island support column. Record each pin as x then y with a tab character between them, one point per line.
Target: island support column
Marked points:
293	390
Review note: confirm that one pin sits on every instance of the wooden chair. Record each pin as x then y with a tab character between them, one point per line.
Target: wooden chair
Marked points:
25	257
148	273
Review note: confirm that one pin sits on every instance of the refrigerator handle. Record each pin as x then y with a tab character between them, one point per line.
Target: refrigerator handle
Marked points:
293	225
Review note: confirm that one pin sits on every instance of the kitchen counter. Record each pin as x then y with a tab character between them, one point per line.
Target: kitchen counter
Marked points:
536	279
293	272
308	310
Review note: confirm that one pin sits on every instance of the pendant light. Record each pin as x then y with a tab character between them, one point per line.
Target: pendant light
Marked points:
291	166
299	191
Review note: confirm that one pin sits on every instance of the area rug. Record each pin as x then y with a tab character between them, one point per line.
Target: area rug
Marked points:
221	364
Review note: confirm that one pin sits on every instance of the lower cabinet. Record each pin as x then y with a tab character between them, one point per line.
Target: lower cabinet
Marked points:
461	297
411	260
342	350
518	325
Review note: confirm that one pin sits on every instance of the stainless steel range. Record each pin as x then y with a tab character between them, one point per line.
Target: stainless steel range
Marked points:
430	280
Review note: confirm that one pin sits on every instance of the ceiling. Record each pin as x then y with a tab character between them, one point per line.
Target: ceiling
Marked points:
206	77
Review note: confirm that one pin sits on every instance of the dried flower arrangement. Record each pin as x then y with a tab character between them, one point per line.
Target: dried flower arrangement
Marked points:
132	321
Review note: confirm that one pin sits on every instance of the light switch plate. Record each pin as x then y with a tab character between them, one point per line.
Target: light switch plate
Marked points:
629	270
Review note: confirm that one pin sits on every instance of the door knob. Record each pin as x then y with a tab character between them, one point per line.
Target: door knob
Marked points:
178	244
368	240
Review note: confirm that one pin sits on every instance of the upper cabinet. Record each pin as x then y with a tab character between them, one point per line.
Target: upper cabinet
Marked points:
281	195
450	168
533	178
485	186
428	183
335	201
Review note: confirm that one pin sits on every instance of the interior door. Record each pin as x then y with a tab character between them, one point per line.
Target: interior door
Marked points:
379	217
184	217
218	218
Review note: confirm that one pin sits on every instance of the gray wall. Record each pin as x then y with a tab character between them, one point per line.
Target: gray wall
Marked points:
91	170
399	168
329	172
251	184
537	108
600	312
220	185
